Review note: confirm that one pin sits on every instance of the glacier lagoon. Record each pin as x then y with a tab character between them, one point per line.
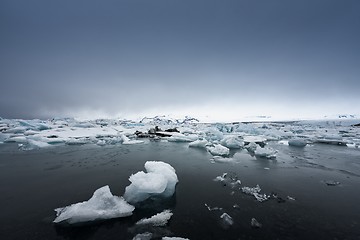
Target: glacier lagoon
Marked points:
311	191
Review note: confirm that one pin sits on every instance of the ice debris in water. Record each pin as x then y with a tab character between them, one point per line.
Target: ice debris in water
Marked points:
212	208
227	219
332	183
174	238
255	191
160	219
251	147
266	152
297	142
199	143
143	236
255	223
232	142
102	205
219	150
160	180
230	179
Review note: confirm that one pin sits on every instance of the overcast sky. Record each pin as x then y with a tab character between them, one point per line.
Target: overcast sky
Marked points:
222	59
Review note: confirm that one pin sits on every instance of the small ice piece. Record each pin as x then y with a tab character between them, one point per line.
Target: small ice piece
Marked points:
236	206
174	238
160	180
266	152
255	191
199	143
332	183
219	150
291	198
232	142
160	219
298	142
220	159
255	223
227	220
102	205
212	208
127	141
143	236
266	168
221	178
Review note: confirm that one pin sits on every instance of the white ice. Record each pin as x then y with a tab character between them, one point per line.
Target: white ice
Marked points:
199	143
160	219
174	238
265	152
218	150
160	180
232	142
102	205
297	142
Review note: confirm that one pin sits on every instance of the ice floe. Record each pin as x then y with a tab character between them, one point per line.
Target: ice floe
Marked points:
160	219
218	150
102	205
265	152
160	180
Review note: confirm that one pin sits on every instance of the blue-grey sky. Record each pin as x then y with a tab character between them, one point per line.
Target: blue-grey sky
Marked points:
222	59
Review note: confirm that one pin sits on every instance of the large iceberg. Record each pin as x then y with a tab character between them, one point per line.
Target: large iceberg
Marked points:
160	180
102	205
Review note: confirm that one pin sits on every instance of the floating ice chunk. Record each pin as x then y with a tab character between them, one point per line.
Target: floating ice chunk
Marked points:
255	139
143	236
160	179
102	205
33	144
291	198
265	152
298	142
174	238
221	159
127	141
178	137
17	139
77	141
199	143
227	219
212	208
232	142
255	191
251	147
160	219
219	150
332	183
255	223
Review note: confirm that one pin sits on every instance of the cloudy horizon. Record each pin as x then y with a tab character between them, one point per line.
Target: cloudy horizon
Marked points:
221	60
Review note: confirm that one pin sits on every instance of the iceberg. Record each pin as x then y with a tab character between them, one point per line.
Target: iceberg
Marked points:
160	180
218	150
199	143
297	142
102	205
158	220
232	142
265	152
143	236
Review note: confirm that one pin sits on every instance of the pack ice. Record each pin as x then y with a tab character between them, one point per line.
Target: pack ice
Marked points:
102	205
159	180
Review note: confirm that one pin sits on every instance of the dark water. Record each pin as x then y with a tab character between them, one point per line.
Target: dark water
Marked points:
33	183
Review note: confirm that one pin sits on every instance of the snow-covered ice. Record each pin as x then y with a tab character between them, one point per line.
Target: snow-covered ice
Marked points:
265	152
102	205
160	180
160	219
218	150
199	143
